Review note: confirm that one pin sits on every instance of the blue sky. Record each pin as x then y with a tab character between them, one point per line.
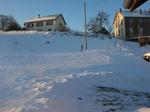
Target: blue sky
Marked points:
72	10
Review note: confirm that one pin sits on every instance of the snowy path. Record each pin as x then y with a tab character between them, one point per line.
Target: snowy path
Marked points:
42	74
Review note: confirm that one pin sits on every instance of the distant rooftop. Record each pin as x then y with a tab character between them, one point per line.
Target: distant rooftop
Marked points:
43	18
139	13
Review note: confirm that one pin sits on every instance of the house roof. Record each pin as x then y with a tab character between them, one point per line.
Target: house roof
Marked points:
133	4
44	18
139	13
136	14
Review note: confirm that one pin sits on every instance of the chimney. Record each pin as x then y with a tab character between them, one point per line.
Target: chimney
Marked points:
39	16
120	10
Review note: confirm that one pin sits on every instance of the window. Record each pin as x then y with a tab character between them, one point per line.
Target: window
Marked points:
39	24
140	20
131	30
121	22
141	30
48	23
30	25
60	24
130	21
122	34
119	33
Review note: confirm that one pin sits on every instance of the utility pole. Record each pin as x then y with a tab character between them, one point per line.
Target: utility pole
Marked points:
85	26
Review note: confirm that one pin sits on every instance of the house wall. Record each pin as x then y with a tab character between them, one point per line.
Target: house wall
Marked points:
137	26
56	26
119	26
128	28
60	23
41	28
116	31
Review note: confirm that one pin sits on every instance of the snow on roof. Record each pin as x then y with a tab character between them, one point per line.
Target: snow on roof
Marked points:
139	13
44	18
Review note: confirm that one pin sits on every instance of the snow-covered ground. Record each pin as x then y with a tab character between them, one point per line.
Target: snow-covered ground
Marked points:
46	72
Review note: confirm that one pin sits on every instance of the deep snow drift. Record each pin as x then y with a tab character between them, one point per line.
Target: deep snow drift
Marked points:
46	72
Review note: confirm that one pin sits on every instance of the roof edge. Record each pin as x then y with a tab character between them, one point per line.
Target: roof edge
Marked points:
57	15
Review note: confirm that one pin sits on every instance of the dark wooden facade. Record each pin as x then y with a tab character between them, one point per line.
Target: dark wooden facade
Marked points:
131	25
137	26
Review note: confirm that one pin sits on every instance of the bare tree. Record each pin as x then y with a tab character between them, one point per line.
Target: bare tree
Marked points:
92	26
3	19
8	23
100	21
13	25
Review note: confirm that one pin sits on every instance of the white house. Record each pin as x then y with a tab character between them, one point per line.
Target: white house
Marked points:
46	23
130	25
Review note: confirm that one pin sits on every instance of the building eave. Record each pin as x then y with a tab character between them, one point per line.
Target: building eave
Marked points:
38	21
136	3
127	3
133	4
32	20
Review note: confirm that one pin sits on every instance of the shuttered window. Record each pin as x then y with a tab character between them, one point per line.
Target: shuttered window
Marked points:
48	23
131	30
30	25
39	24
